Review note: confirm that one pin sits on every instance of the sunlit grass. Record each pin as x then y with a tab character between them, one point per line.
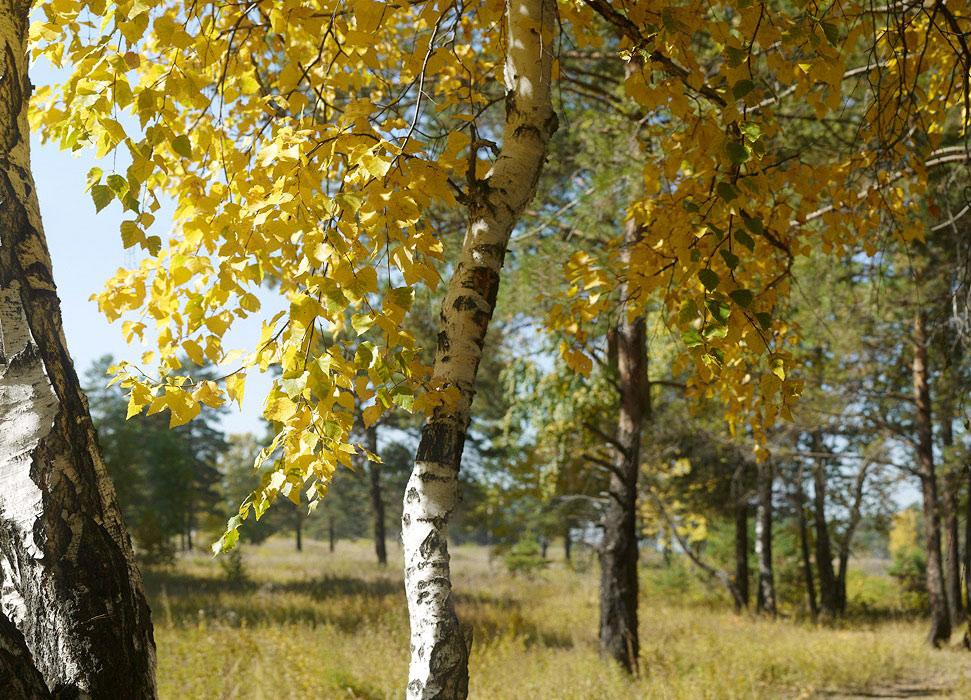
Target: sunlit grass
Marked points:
321	625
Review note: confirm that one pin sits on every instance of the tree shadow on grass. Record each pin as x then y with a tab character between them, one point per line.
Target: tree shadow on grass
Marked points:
348	603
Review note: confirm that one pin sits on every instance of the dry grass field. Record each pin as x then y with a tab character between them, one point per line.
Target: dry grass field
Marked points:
321	625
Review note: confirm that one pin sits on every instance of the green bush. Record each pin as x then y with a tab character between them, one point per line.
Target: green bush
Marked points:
525	557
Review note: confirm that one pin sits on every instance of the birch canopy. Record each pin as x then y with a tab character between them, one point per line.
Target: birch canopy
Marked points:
305	143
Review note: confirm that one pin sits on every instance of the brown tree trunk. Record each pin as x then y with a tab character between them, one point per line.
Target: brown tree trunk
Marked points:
618	553
330	532
377	501
567	542
847	541
298	529
741	548
765	599
940	629
967	543
828	591
69	582
807	565
949	504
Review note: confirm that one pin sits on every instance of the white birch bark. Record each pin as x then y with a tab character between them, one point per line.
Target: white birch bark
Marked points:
439	651
69	583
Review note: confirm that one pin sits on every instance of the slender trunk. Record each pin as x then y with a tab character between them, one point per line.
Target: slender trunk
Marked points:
949	505
567	542
828	592
741	553
69	582
807	565
188	529
377	501
330	532
618	553
298	529
940	629
544	545
439	650
19	678
765	601
846	542
967	541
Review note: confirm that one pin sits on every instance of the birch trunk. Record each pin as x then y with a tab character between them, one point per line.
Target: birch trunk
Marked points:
69	582
940	630
618	551
439	651
19	678
765	599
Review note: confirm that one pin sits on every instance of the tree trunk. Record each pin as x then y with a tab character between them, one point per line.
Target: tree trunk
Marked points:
807	565
846	543
19	678
377	501
949	505
330	532
828	591
940	629
618	553
298	529
765	601
567	542
967	544
188	529
439	650
69	582
741	553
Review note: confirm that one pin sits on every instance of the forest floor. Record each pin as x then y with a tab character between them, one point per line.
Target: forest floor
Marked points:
314	625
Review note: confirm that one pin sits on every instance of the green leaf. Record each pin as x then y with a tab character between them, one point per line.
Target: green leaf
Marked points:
713	330
361	323
181	145
294	386
720	311
708	278
742	297
744	239
730	258
726	191
690	206
118	184
754	225
764	319
154	244
692	338
742	88
689	310
831	31
737	152
102	196
129	233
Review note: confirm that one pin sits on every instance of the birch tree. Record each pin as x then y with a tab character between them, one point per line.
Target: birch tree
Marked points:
69	583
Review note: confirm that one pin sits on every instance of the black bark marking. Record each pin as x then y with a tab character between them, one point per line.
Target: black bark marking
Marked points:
441	443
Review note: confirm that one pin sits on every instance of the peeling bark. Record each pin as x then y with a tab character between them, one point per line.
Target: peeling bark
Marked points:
69	582
439	649
19	677
940	630
618	550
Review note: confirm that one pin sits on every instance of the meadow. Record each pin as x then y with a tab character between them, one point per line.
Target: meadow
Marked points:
316	624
